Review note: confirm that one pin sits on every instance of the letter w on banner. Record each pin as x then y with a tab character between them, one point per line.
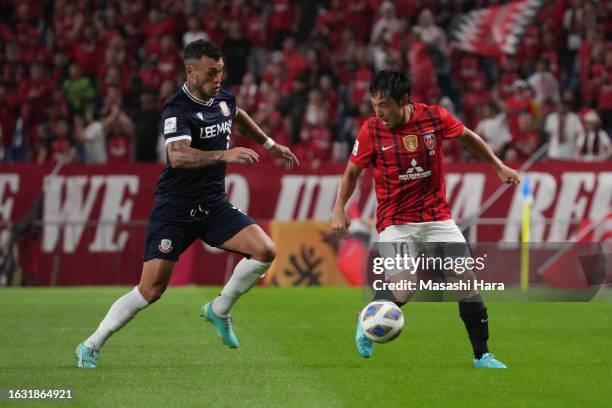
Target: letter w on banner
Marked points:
493	31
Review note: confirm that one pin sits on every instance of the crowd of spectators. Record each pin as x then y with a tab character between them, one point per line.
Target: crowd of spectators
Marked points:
85	80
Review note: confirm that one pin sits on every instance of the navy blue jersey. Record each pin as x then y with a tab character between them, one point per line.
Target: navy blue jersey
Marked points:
208	126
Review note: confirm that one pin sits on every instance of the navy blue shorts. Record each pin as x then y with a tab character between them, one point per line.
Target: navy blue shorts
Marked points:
173	226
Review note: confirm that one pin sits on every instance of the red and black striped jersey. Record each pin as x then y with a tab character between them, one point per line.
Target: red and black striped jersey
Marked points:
408	165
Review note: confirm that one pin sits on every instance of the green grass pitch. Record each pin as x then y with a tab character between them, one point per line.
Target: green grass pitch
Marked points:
297	350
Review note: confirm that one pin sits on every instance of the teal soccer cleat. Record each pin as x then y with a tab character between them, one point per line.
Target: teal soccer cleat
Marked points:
488	361
223	326
365	346
87	357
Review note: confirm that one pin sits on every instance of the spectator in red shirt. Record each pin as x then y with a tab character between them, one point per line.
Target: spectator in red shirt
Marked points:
294	61
281	20
520	103
329	94
358	18
157	24
316	141
119	127
60	147
360	83
35	92
169	63
525	142
474	99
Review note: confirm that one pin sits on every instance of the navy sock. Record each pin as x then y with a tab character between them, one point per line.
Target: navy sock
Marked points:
474	315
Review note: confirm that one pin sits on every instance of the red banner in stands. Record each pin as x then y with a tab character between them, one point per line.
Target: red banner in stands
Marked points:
94	216
495	30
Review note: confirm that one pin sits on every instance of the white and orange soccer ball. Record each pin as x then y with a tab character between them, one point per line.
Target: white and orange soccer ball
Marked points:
382	321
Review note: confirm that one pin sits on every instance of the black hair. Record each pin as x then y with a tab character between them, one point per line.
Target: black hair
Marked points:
396	84
201	48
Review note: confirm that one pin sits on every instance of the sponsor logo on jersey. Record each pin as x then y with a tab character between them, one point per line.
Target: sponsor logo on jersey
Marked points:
223	128
200	115
411	142
225	110
414	172
165	246
355	147
170	125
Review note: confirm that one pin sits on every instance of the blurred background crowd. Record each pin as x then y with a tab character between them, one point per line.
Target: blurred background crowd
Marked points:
85	80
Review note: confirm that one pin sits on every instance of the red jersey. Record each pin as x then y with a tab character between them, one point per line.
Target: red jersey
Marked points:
408	165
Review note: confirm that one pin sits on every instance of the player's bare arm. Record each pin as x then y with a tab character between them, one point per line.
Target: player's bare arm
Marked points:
182	156
481	149
340	222
248	126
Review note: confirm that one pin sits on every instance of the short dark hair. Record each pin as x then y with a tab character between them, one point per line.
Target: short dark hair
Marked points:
201	48
396	84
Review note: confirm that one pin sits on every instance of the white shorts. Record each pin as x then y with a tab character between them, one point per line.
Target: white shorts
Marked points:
413	234
434	231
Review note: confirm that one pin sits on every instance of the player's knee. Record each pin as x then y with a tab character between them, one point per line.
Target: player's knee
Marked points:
266	253
152	293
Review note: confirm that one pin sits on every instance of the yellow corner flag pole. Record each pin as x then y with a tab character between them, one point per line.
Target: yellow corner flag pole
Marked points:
527	200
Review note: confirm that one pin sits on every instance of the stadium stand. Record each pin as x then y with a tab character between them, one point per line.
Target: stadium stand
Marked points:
85	80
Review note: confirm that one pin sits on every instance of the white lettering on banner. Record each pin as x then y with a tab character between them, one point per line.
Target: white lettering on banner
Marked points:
291	186
238	192
544	186
602	198
70	216
10	182
369	209
571	206
469	197
452	180
328	187
113	211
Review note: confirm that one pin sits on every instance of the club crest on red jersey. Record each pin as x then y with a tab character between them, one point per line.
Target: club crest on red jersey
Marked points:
430	141
411	143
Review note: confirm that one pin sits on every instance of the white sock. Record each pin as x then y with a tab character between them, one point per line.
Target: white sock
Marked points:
245	276
121	312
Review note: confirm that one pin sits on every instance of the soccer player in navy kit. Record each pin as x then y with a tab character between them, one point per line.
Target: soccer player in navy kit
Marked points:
191	202
403	143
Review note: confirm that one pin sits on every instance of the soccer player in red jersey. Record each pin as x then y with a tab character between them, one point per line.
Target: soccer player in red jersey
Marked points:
403	143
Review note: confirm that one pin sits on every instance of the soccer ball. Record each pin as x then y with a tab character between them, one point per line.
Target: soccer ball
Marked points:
382	321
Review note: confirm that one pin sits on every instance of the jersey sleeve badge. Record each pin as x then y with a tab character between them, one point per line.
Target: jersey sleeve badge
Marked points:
170	125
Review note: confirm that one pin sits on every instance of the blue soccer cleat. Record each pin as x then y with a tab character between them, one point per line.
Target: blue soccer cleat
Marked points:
223	326
488	361
87	357
365	346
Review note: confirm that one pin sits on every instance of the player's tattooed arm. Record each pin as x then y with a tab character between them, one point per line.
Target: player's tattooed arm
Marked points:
182	156
247	125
